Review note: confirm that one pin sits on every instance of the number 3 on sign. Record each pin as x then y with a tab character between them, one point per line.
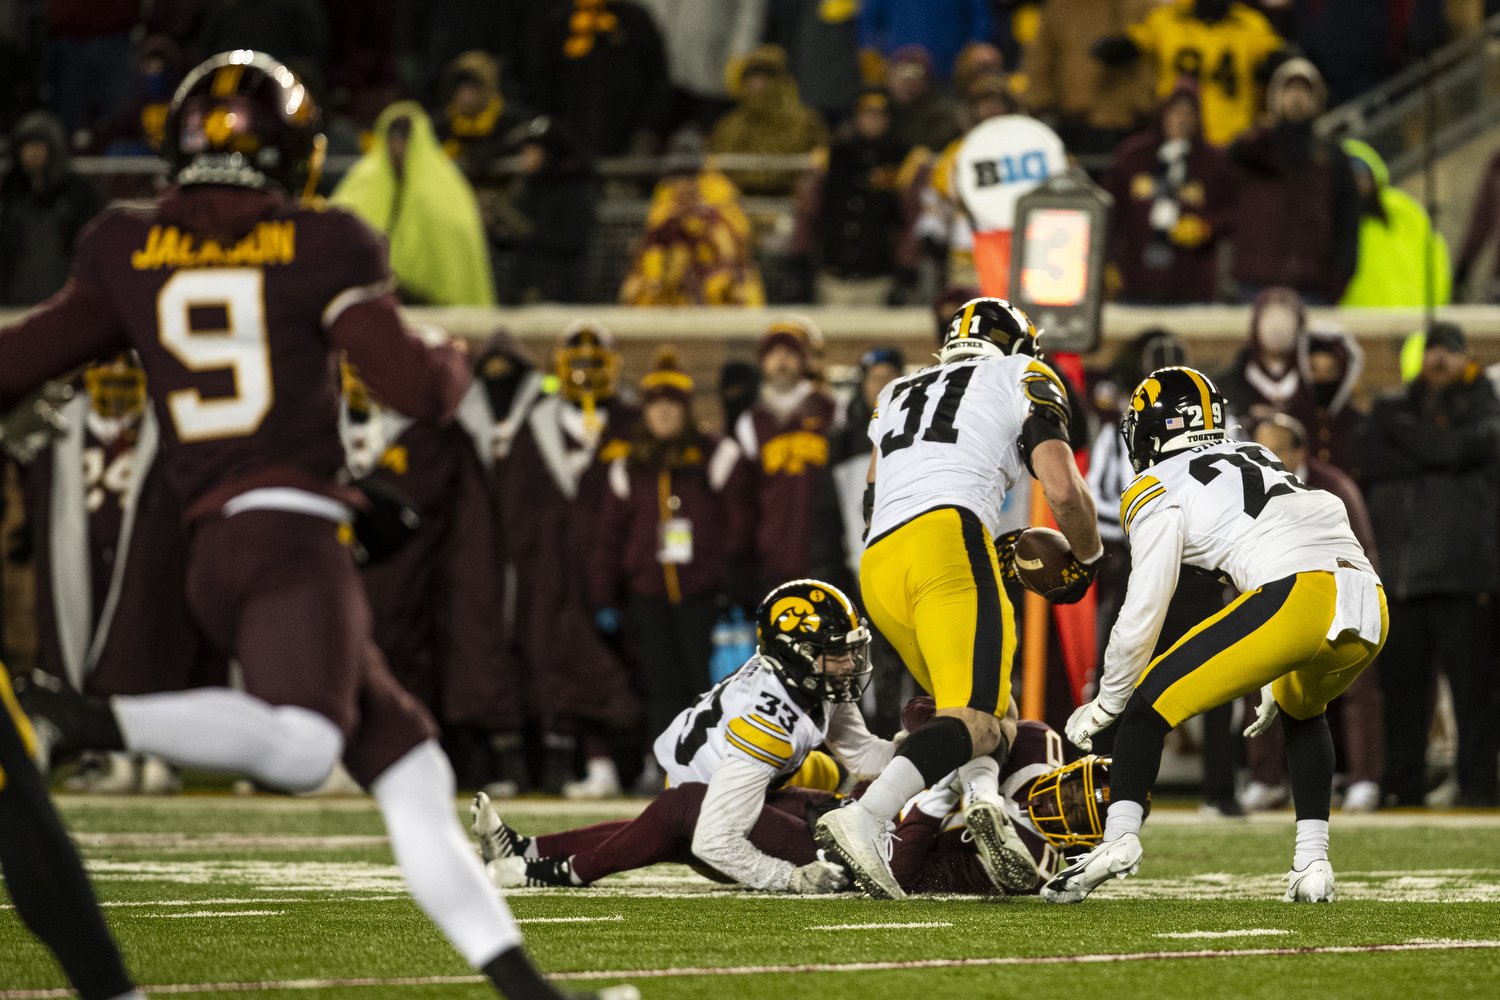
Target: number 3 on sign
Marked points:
240	347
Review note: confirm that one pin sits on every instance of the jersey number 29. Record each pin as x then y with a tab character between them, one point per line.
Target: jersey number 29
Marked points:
941	429
241	346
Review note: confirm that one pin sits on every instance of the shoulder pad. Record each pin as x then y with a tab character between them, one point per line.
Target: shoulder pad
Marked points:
1046	392
1144	491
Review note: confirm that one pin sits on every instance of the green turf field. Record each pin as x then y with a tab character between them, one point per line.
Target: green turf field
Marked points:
301	897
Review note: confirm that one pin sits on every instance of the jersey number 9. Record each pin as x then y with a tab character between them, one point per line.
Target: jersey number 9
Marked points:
240	346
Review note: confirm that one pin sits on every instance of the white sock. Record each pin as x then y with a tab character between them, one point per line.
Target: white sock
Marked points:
132	995
1312	842
440	867
980	777
1123	817
218	729
893	789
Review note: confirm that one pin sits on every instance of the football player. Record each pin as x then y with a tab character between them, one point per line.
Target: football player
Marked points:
1057	808
238	298
950	442
1310	616
752	735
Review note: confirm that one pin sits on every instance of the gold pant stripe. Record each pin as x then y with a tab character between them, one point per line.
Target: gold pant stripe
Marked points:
932	587
818	771
1278	634
16	716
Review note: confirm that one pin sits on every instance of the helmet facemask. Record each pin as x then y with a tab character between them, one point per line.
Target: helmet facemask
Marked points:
836	671
116	389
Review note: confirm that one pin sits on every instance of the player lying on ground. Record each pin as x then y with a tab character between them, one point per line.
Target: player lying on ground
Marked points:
950	442
238	299
1056	809
43	874
1310	616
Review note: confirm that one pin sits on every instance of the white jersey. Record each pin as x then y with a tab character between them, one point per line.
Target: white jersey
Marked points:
947	437
748	714
1245	514
1230	508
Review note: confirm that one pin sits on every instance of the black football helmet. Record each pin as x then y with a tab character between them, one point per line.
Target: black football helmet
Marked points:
803	620
1173	409
987	328
243	118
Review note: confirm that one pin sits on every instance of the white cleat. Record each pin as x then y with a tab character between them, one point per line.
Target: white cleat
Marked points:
496	838
158	777
1115	859
1005	856
506	873
1362	797
854	838
1313	884
602	782
1261	797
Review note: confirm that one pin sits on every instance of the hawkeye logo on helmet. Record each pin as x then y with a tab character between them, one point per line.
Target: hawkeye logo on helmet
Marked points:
794	612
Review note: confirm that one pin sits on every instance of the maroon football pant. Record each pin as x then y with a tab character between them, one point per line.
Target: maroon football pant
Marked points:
281	594
924	859
664	832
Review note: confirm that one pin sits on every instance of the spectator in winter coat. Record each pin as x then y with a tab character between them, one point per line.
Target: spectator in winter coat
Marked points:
1431	462
696	247
556	200
1484	225
138	129
430	34
676	513
1360	706
408	189
939	26
1095	105
1227	46
1285	367
785	437
477	118
43	205
1298	218
1174	201
768	119
92	62
1397	243
701	39
602	68
921	114
850	216
822	48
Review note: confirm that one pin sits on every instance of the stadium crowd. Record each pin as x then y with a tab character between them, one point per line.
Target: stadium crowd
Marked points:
584	536
1196	115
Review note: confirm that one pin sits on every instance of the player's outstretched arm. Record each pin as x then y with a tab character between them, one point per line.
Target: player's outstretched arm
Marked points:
74	327
736	794
1068	497
421	380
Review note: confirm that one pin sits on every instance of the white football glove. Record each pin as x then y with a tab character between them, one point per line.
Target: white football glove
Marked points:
1086	720
818	877
1265	714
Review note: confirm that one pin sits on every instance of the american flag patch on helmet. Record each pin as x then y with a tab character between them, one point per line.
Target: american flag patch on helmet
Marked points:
1174	423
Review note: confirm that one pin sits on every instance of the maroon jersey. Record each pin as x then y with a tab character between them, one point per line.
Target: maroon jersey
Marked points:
931	854
236	301
791	482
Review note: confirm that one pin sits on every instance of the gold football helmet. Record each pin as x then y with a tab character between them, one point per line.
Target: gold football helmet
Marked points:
588	365
117	388
1068	805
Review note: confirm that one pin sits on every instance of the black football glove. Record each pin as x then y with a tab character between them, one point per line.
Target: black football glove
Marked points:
1076	579
1005	553
388	524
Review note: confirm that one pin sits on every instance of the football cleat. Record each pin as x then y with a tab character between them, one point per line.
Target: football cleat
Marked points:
601	782
496	837
1313	884
1362	797
65	722
158	777
1005	856
103	774
538	873
1114	859
854	838
1261	797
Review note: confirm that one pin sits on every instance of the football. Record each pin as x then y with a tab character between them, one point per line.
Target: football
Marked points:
1041	554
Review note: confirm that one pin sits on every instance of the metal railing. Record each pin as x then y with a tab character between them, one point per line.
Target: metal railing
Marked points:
1454	93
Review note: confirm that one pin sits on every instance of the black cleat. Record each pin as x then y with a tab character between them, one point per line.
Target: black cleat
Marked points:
65	722
538	873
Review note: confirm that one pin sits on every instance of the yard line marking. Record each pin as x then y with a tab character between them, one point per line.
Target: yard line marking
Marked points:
567	920
742	970
874	927
218	913
180	841
1251	932
228	902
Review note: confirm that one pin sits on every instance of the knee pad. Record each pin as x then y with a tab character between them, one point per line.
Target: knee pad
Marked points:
308	747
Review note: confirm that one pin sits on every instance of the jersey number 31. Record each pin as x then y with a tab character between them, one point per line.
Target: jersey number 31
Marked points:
241	347
941	429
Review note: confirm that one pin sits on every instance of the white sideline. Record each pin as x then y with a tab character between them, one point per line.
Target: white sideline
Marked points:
747	970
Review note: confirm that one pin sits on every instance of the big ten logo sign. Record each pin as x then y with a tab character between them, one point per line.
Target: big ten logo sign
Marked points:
1029	166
